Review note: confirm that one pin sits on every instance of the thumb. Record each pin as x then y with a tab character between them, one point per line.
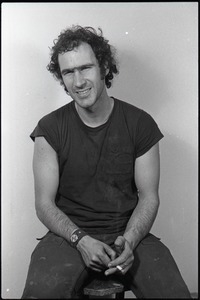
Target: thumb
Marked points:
120	243
111	253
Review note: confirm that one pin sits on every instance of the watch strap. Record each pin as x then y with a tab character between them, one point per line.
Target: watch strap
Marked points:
76	236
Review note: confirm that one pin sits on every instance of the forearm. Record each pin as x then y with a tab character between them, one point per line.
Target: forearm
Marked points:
55	220
46	182
141	219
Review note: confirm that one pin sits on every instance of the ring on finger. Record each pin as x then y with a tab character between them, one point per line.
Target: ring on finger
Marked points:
119	268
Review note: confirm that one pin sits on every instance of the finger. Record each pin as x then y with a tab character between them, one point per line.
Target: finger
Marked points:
97	267
118	261
124	259
126	253
124	270
110	252
120	244
104	261
96	270
110	271
121	271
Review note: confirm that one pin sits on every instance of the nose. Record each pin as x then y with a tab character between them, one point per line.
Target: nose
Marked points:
79	80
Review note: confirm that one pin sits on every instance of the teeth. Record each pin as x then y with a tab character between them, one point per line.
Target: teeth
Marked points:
83	92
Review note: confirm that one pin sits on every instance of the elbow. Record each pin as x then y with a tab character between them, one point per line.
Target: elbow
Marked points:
38	211
158	204
155	200
150	200
158	201
150	197
43	207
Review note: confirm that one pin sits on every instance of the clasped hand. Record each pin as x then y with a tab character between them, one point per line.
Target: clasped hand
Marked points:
99	257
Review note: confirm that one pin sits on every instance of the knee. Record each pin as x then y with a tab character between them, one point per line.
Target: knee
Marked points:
35	290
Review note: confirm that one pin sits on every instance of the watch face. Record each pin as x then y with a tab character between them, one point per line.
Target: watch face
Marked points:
74	238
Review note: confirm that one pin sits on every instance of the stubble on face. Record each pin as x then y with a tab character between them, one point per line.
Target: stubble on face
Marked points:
84	82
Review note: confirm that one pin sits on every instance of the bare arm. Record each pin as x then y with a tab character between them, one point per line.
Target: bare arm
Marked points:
96	254
46	179
147	174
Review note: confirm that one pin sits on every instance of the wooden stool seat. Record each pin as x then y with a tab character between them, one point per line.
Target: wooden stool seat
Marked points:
104	286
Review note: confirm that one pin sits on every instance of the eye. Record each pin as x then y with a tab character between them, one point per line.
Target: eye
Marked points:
67	72
85	68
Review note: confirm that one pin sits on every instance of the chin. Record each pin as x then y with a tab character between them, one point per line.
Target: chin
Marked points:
85	103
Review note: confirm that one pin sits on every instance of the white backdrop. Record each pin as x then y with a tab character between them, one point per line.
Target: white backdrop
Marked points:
157	51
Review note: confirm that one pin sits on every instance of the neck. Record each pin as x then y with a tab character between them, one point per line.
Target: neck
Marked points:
98	114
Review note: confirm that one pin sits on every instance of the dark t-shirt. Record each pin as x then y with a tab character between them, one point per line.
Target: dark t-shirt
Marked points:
97	189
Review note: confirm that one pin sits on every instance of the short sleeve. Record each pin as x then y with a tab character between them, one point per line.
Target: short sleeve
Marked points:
48	128
147	134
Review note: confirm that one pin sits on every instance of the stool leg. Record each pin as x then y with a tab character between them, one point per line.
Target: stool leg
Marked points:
119	296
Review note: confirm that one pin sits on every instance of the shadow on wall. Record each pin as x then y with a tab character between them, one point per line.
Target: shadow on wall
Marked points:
178	188
177	218
144	84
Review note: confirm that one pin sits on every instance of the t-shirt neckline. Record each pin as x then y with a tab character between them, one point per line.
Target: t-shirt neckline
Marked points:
97	127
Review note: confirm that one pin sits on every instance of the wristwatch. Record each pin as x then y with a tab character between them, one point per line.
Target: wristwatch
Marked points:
76	236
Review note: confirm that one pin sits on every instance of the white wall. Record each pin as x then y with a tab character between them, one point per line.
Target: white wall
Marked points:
157	50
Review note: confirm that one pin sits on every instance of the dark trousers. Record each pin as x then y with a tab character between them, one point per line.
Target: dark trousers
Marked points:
57	270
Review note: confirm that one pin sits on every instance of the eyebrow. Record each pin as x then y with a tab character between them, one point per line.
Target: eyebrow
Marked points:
78	68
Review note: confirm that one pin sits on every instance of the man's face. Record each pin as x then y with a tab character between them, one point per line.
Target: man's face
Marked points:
81	75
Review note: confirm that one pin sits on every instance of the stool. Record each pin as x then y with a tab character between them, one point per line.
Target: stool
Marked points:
104	286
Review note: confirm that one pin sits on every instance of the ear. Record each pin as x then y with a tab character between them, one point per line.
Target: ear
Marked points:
107	71
104	72
106	68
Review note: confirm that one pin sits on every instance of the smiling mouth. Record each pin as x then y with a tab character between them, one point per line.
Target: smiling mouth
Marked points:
84	92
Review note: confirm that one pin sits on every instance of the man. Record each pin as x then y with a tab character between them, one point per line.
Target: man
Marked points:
96	171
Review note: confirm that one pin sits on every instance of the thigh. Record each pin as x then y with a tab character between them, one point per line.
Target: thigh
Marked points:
154	273
56	270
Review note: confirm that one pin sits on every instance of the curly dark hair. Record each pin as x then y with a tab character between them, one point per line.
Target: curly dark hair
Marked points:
73	37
